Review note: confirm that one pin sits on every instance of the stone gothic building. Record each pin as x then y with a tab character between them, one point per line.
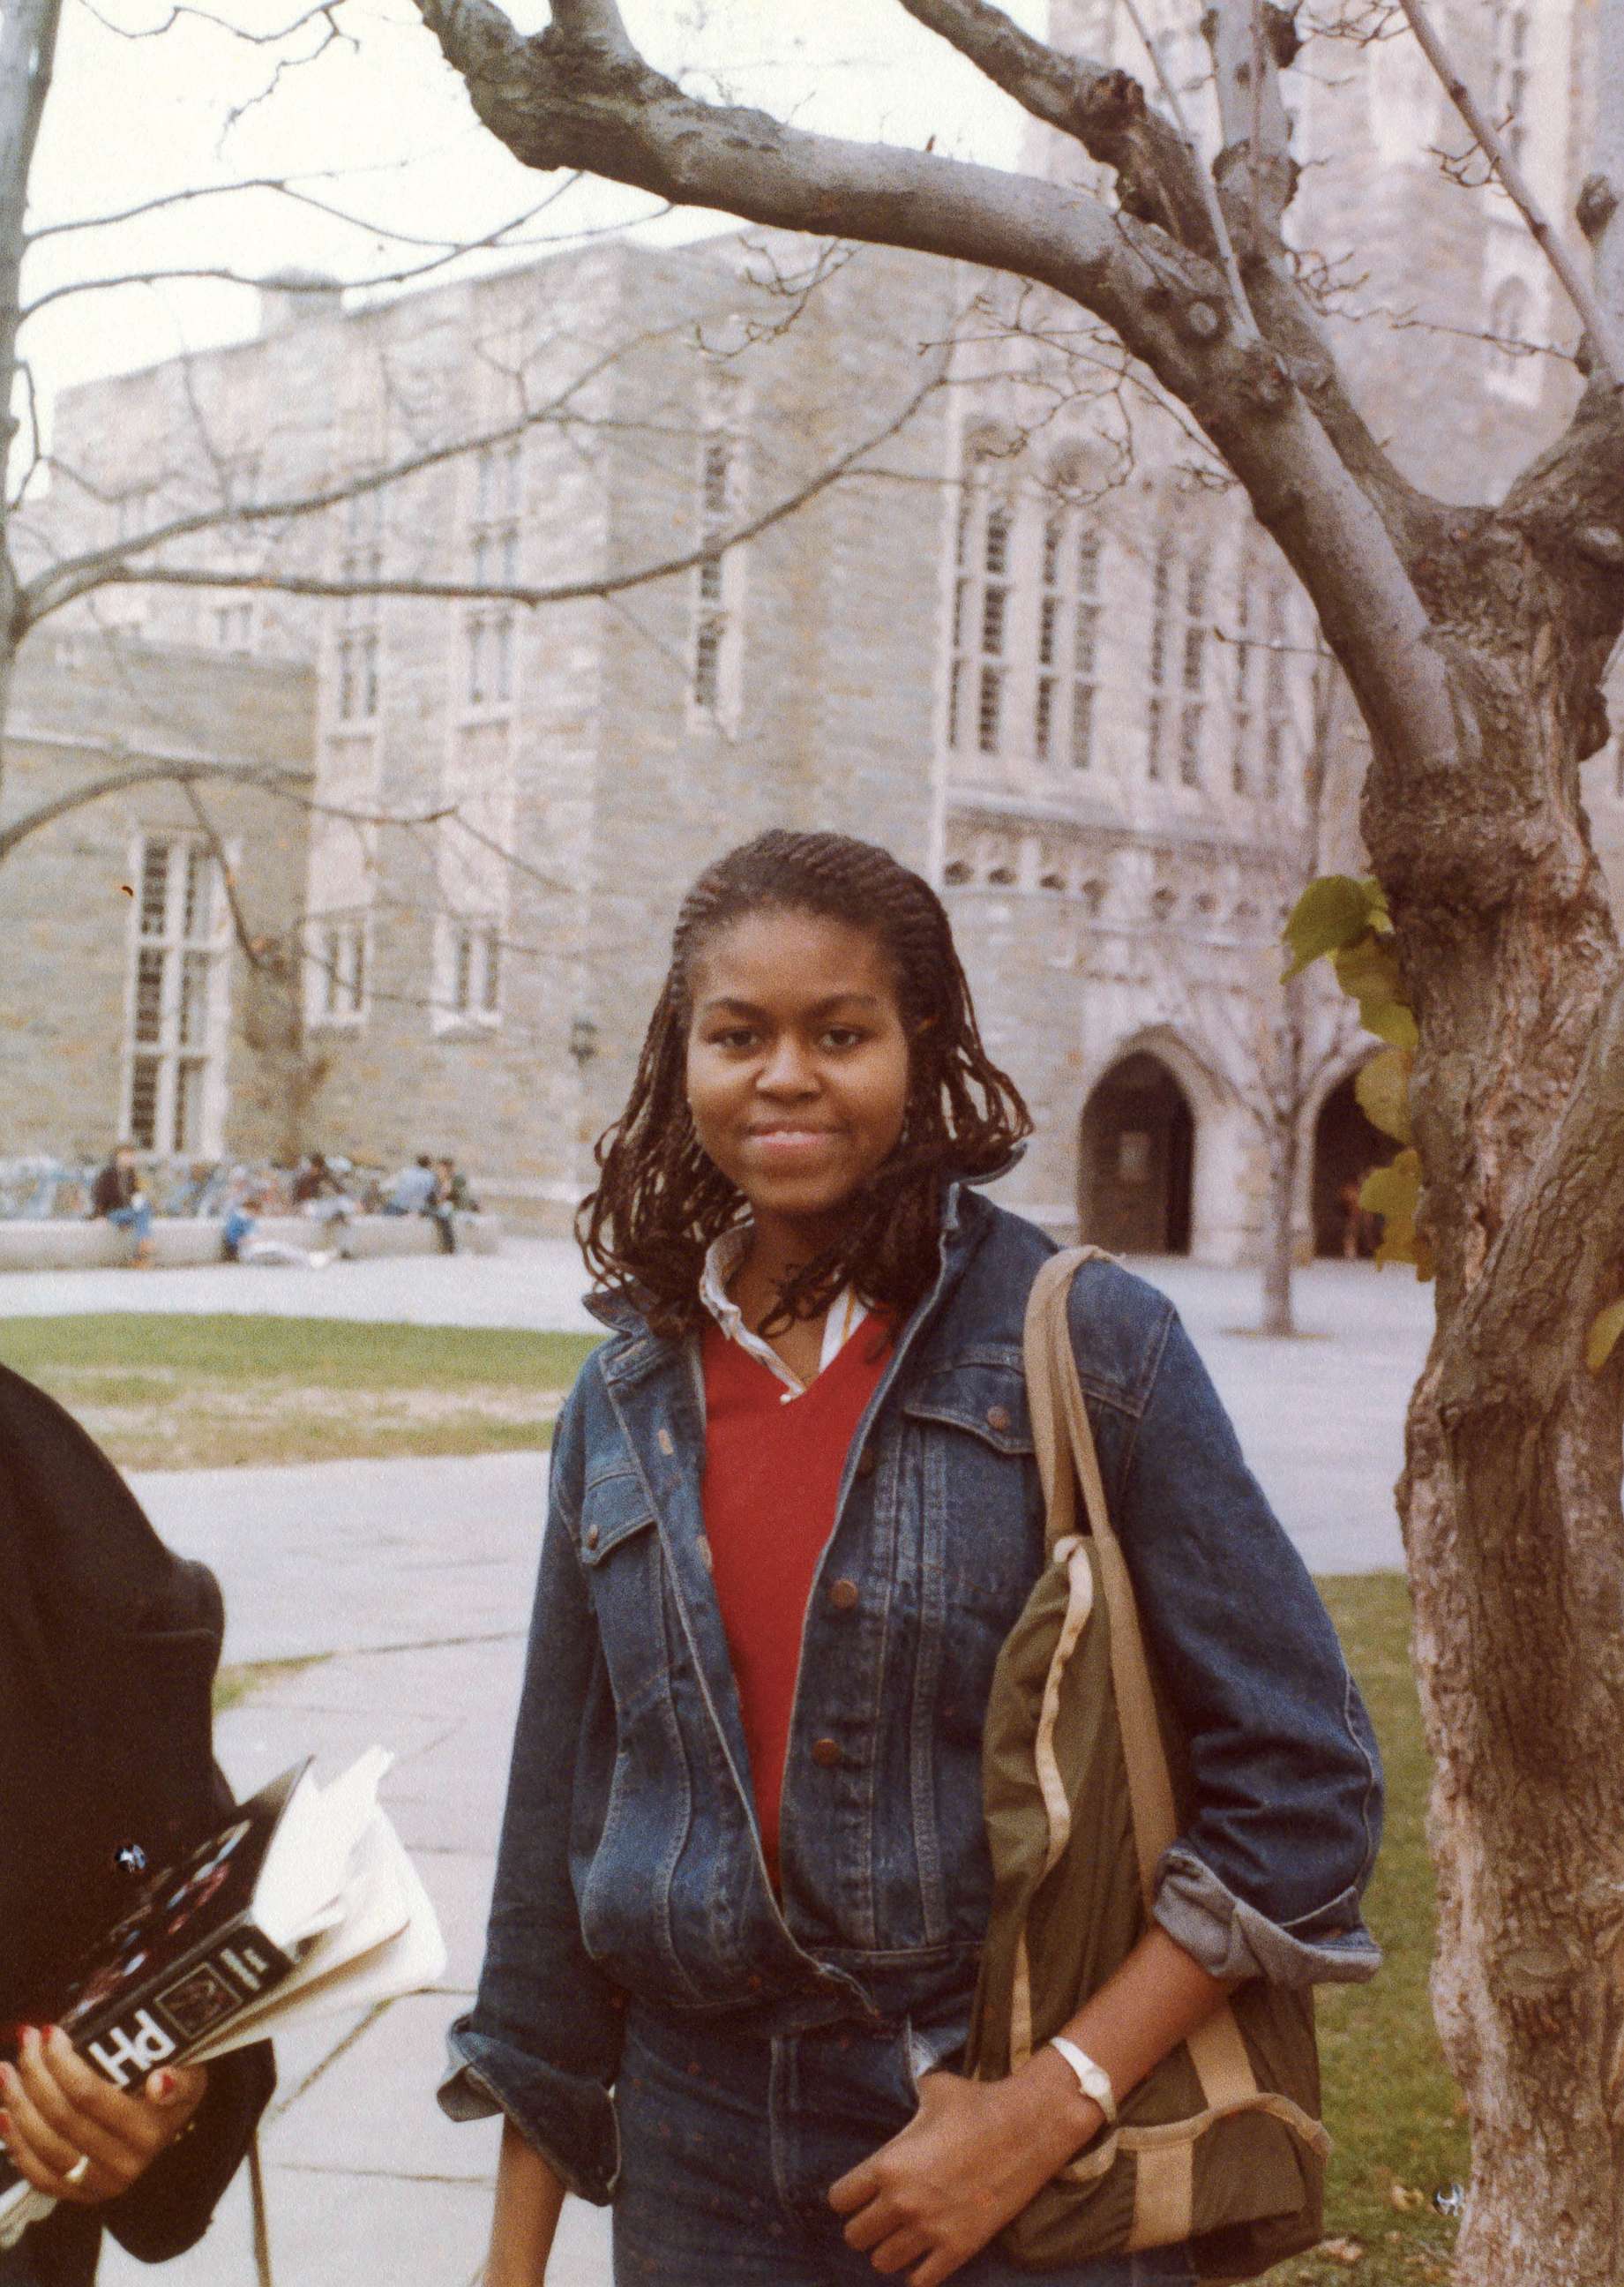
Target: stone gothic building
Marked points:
1015	628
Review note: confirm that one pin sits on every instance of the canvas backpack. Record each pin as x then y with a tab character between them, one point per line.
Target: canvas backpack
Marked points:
1083	1769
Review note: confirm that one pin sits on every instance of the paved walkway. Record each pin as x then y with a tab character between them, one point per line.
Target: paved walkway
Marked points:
404	1585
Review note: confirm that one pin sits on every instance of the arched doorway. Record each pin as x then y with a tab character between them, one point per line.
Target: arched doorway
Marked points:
1346	1147
1136	1160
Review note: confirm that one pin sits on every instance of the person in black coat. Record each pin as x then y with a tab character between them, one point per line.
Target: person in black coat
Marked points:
108	1647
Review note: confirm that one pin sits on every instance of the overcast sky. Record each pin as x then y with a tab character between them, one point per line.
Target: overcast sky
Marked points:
384	129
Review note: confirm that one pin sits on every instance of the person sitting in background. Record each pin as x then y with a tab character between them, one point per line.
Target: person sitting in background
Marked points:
118	1196
413	1190
451	1198
319	1193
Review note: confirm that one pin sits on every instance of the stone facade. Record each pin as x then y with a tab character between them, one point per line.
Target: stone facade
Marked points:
138	996
1023	646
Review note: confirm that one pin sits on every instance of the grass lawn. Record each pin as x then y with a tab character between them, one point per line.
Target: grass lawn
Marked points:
1389	2103
163	1392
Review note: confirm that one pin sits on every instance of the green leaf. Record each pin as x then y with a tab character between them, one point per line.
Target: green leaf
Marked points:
1332	912
1603	1336
1383	1091
1367	971
1393	1193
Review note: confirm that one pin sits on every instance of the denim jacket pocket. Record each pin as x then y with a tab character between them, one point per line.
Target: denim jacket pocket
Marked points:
619	1546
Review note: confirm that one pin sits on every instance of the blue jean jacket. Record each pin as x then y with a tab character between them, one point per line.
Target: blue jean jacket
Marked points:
630	1861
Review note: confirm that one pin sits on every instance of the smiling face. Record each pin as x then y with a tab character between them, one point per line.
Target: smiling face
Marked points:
797	1068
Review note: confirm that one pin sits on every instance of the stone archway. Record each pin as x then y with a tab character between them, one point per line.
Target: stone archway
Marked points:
1136	1160
1346	1146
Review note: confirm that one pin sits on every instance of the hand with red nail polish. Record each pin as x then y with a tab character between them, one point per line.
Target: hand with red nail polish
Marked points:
63	2114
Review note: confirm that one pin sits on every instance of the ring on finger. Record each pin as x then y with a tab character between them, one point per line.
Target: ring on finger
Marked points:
79	2169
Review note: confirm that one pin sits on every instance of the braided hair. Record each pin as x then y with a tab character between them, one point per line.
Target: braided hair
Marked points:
661	1201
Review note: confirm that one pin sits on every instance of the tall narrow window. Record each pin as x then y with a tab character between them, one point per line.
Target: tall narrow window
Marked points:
361	560
1193	673
1051	607
1510	86
493	553
1085	649
474	983
177	998
1244	672
337	960
1276	693
713	660
1161	639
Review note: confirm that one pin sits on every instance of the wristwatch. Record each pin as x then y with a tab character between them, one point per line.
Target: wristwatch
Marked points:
1092	2079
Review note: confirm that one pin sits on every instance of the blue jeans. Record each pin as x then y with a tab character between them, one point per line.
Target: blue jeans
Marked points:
728	2145
137	1218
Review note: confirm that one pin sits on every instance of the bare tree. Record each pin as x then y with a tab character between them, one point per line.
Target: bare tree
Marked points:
199	523
1475	641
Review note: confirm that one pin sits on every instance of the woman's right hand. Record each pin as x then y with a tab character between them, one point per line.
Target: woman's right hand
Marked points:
529	2197
76	2136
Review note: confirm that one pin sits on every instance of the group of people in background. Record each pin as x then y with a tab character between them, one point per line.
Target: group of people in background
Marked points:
329	1193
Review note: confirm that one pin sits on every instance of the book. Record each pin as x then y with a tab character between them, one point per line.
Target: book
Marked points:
301	1904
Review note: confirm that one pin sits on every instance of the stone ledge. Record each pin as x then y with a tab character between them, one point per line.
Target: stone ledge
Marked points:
186	1240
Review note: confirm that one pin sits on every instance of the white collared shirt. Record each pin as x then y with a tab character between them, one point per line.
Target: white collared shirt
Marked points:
846	1314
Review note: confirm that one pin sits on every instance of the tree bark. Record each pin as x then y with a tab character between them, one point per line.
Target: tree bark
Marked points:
1280	1234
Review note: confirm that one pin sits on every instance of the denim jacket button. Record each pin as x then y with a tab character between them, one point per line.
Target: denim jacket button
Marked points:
866	1463
592	1536
998	1417
826	1752
844	1595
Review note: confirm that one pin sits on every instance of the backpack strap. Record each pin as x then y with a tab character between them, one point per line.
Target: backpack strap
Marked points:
1066	1458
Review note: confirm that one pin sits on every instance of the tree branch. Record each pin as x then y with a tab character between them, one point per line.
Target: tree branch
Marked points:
1104	110
557	100
176	773
1606	340
295	583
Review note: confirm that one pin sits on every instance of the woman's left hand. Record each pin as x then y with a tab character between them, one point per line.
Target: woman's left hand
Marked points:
55	2112
972	2156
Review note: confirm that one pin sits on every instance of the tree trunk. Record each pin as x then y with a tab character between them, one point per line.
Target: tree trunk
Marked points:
1509	1499
1280	1234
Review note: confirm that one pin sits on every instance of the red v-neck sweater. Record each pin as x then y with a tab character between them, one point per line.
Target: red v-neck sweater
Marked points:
772	1476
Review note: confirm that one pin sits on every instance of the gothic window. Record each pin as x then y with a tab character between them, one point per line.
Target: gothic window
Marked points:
233	627
1193	668
493	562
338	960
713	654
361	559
1276	693
1508	105
983	603
1243	669
1162	642
1084	647
177	1015
474	980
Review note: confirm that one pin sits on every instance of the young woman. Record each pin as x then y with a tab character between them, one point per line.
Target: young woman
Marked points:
743	1875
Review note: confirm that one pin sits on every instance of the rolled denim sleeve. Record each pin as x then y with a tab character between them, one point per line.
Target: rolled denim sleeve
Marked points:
1284	1811
542	2041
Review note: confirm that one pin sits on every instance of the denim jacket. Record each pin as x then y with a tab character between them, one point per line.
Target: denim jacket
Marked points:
630	1862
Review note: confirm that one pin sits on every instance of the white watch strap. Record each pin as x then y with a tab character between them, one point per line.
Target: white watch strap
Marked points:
1092	2079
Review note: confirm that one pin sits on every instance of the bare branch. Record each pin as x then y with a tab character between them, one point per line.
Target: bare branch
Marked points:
452	251
75	575
1605	337
293	583
559	100
175	773
28	51
324	9
1104	110
1209	198
286	186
